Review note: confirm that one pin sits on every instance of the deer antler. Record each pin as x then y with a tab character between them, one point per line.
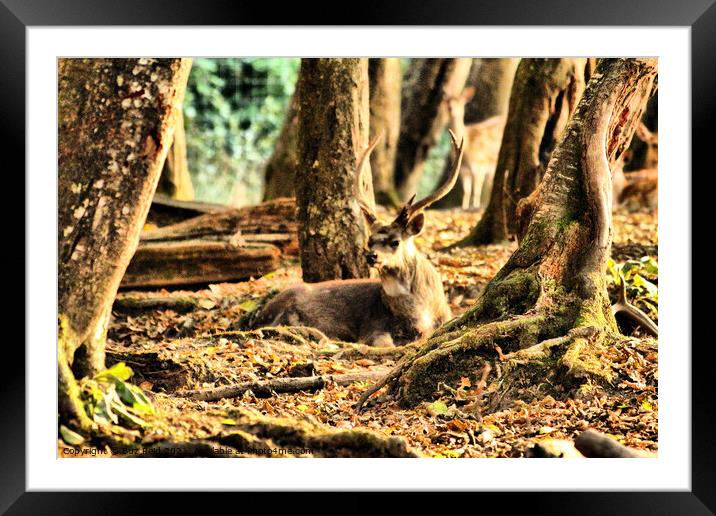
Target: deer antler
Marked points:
358	185
411	209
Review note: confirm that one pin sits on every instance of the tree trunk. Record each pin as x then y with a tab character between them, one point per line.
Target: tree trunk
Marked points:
492	80
547	311
385	78
544	95
332	133
280	171
175	180
424	115
116	123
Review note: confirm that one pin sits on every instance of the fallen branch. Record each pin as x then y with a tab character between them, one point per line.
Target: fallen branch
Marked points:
134	303
267	388
593	444
349	350
624	306
159	264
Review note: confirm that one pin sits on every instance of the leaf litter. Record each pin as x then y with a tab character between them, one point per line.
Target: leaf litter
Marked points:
191	339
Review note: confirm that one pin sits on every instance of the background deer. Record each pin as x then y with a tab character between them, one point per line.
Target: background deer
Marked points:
640	188
482	146
406	302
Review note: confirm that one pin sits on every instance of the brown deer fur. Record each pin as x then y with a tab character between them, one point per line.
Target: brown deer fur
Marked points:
405	303
482	147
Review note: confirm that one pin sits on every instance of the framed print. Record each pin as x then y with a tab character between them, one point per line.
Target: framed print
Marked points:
398	248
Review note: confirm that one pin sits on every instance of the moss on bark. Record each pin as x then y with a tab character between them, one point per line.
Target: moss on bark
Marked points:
544	95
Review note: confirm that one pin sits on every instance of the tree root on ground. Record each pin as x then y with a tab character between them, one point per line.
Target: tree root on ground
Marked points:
267	388
255	435
540	347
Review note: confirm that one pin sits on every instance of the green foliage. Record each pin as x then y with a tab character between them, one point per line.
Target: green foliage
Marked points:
434	164
641	279
234	109
110	400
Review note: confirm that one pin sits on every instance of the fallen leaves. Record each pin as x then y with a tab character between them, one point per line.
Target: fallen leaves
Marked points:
202	343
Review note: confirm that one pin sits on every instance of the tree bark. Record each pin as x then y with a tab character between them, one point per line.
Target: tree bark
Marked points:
385	79
492	79
116	123
544	95
332	133
547	311
424	115
175	180
280	172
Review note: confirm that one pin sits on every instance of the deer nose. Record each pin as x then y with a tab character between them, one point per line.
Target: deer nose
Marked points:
371	257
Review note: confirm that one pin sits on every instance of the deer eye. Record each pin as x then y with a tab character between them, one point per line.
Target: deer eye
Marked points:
394	244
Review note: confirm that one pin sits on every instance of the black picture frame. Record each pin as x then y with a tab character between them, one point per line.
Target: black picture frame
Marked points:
700	15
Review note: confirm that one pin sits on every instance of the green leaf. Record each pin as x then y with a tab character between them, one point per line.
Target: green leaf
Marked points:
437	407
70	437
127	417
134	397
249	305
119	371
640	282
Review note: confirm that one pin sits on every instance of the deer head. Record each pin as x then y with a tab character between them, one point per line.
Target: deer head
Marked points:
391	245
456	103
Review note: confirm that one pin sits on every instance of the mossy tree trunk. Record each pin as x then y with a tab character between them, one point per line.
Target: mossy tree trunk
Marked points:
280	171
116	124
548	309
492	79
175	180
544	95
424	115
385	80
332	133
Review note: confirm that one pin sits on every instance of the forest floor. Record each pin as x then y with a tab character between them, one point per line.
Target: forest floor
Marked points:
189	339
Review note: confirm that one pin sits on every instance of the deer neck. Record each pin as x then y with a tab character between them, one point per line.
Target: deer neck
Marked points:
397	276
457	126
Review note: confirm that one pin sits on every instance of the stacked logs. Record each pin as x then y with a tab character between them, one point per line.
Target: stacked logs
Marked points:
211	243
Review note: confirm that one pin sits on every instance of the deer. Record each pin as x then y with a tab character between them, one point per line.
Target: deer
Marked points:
639	188
404	303
482	146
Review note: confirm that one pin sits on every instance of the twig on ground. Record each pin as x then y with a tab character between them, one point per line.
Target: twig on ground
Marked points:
267	388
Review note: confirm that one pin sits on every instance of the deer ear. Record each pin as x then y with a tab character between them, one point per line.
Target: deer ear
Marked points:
415	225
468	93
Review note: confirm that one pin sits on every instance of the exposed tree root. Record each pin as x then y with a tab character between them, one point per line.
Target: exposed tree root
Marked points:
558	336
267	388
255	435
128	303
348	350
